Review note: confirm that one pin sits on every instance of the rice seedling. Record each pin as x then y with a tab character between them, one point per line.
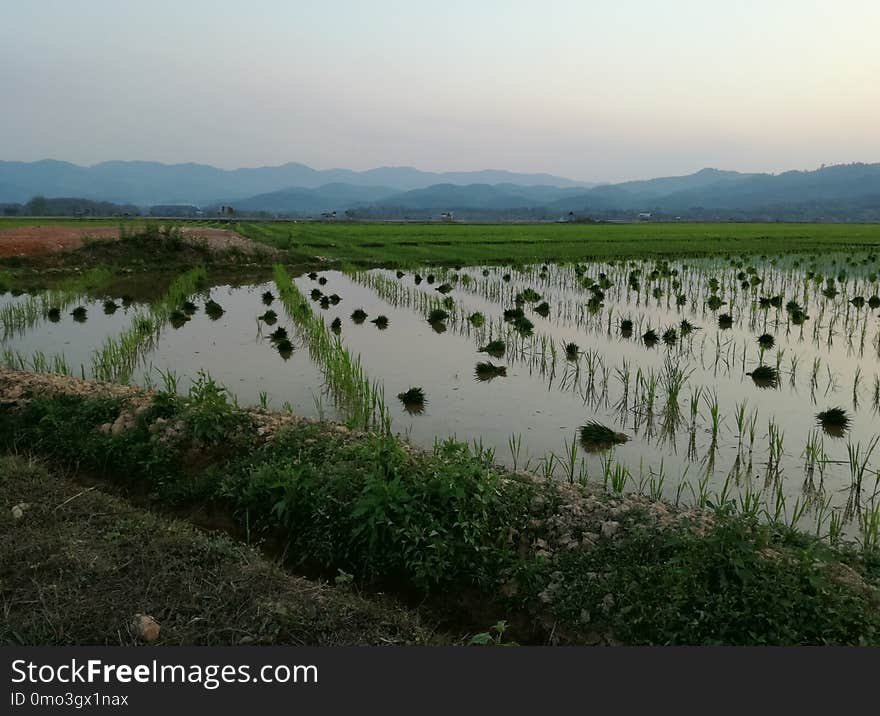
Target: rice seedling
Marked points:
54	314
79	314
477	319
725	321
213	309
267	298
596	437
413	400
834	422
279	334
324	303
766	341
650	338
269	318
312	275
127	300
336	326
765	376
284	348
381	322
177	318
315	294
543	309
626	328
334	299
487	371
494	348
358	316
572	351
670	336
686	328
189	308
437	315
322	281
874	302
443	288
110	307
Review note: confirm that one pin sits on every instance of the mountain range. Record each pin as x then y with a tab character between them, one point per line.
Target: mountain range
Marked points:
839	192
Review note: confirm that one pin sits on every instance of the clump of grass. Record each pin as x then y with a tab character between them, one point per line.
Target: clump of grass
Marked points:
400	274
359	315
650	338
670	336
494	348
489	371
381	322
79	314
268	297
110	307
523	326
874	302
444	288
126	300
626	328
477	319
315	294
572	351
269	317
312	275
765	376
834	421
596	437
336	326
858	301
189	308
324	303
715	302
54	314
413	400
430	278
417	279
725	321
766	341
543	309
322	281
334	298
213	309
686	328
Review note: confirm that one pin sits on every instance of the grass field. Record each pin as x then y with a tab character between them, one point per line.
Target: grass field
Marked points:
405	244
408	244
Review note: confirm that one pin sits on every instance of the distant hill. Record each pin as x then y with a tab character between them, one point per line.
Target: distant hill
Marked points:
147	183
836	193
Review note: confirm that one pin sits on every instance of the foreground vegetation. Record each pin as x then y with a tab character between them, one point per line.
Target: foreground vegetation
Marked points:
470	541
91	561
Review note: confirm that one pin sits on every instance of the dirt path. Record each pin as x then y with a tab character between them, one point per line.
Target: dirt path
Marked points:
37	239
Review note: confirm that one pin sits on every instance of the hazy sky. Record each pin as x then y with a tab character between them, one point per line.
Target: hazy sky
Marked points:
594	90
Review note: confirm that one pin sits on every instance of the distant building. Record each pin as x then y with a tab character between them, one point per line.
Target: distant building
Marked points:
644	215
328	215
447	216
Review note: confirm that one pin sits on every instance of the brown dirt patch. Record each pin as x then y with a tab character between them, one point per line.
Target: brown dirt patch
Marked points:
49	238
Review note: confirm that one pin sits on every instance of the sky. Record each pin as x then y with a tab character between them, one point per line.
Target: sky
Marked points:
593	90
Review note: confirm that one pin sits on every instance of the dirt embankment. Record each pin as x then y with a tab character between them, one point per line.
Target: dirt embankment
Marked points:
49	238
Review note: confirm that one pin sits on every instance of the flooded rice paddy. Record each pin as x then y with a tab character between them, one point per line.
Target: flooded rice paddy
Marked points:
751	380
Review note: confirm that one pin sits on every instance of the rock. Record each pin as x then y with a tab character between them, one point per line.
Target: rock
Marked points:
18	510
341	429
608	602
145	627
610	528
